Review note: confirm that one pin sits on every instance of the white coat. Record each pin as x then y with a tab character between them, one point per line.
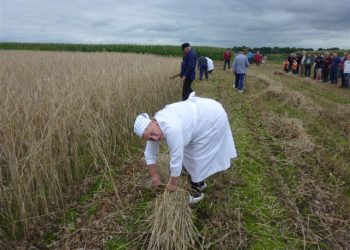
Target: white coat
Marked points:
198	136
210	64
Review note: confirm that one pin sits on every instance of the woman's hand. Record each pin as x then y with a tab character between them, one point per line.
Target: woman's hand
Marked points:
155	179
172	185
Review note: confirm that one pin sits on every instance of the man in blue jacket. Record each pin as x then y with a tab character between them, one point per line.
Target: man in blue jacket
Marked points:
188	69
335	68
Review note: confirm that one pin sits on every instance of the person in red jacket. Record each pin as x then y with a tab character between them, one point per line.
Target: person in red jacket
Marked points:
227	58
257	58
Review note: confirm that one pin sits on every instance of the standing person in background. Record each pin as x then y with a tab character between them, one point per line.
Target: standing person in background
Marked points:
318	67
302	63
250	57
326	66
346	71
227	58
239	68
257	58
313	67
203	67
335	68
341	69
298	58
307	65
290	60
286	65
188	69
295	66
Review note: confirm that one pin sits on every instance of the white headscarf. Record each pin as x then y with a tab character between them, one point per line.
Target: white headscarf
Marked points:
141	123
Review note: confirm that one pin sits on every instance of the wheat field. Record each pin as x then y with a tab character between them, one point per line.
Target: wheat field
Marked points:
72	174
65	116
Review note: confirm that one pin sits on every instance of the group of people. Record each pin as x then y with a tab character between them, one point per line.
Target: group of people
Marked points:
327	67
256	58
196	131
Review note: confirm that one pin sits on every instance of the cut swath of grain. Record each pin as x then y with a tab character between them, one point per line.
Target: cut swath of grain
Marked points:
295	141
294	98
171	222
170	225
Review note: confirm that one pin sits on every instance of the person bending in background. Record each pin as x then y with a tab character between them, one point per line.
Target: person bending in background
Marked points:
199	139
203	67
227	58
210	64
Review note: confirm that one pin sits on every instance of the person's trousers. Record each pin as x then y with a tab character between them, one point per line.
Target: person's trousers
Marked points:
314	73
228	63
334	75
342	75
302	69
346	80
318	73
325	74
307	70
203	69
239	82
186	89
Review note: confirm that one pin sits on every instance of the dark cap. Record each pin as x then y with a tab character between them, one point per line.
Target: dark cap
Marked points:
185	45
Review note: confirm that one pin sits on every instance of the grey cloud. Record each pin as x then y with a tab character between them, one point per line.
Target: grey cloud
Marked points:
225	23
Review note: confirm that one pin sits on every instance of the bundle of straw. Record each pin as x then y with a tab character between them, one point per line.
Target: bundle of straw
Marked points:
170	225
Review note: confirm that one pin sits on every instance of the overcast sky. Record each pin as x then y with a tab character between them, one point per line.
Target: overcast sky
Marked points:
222	23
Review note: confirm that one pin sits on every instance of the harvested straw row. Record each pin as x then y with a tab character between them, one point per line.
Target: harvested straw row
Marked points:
170	225
294	139
171	222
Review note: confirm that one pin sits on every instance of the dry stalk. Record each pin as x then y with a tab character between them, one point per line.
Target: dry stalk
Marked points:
170	225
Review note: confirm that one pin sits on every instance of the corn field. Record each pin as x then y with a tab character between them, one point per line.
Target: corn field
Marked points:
163	50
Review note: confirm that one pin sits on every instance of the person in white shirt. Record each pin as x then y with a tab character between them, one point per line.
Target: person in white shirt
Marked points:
347	71
210	65
198	136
